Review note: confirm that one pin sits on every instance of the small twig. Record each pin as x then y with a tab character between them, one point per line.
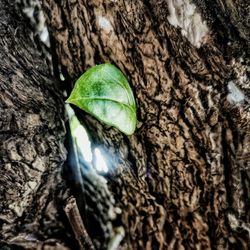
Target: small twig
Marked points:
77	225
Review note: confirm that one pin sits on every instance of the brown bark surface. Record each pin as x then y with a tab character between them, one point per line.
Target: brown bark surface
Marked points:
32	192
182	180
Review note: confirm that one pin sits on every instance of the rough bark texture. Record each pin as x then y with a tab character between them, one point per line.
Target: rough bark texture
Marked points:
32	151
182	180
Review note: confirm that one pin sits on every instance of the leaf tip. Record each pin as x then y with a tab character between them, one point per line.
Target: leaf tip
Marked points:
69	100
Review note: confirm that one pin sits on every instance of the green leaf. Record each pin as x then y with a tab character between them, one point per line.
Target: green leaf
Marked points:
104	92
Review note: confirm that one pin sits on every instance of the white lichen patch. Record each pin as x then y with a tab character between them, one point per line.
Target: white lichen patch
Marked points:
105	24
44	35
185	15
33	11
235	95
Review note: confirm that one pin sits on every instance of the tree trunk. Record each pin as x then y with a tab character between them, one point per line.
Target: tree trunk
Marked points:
32	193
182	179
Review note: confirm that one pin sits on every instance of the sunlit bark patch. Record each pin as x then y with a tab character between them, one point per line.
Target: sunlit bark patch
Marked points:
185	15
235	94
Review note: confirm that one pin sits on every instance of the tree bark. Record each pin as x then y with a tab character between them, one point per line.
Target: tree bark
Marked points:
32	132
182	180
